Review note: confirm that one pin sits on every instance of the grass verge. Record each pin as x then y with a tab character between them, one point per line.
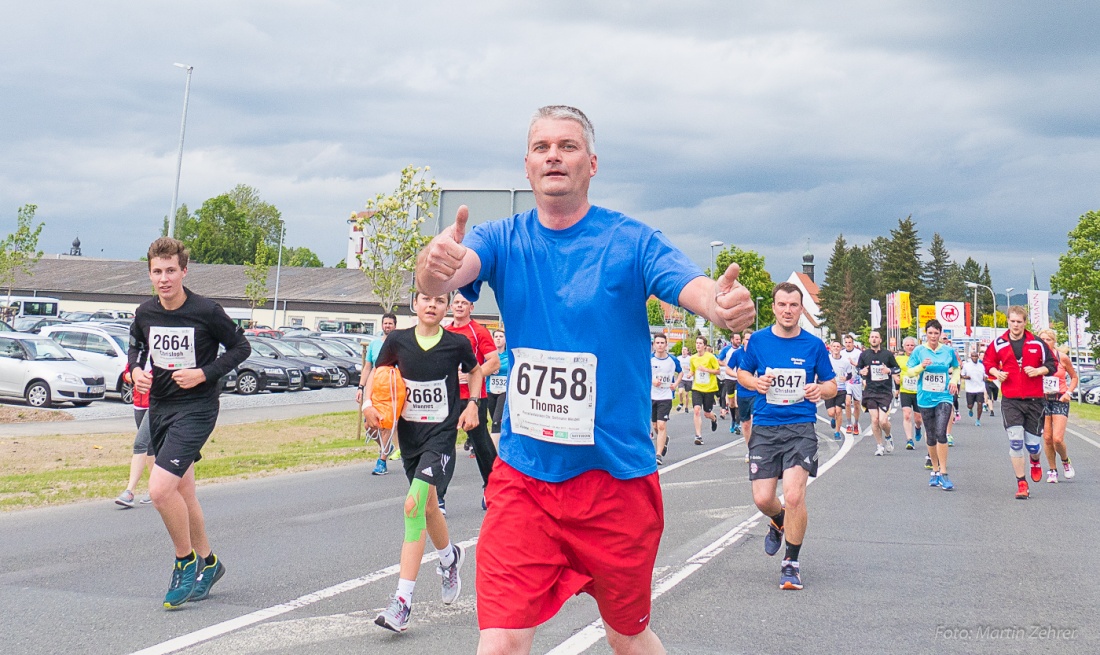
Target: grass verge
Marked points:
1085	411
39	471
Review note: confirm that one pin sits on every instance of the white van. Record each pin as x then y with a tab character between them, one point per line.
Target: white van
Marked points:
12	307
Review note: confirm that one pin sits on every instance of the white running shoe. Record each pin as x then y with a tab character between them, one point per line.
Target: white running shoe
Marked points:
1069	470
1052	476
889	445
879	451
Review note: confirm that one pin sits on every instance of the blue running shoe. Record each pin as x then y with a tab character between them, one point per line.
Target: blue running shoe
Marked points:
918	434
832	423
934	481
978	423
733	427
773	540
791	577
183	582
208	575
379	468
836	436
909	445
946	484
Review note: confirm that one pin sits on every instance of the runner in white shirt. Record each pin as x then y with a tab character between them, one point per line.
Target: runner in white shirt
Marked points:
666	377
973	372
684	390
853	386
834	406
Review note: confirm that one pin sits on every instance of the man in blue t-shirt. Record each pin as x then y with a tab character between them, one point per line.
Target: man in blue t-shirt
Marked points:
746	398
577	424
791	372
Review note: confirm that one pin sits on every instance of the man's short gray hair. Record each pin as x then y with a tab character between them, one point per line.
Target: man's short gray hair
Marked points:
912	340
565	112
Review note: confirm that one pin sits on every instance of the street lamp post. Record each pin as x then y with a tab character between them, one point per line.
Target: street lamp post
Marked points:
278	270
974	286
758	299
1008	299
714	261
179	155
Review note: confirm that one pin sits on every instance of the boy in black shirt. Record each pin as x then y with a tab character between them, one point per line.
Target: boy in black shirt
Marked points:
181	331
429	359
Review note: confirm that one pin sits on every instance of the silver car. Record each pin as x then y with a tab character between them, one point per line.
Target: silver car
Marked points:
40	370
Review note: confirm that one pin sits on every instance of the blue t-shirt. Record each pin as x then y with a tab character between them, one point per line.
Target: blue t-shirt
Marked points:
558	290
735	364
939	371
505	367
804	352
375	348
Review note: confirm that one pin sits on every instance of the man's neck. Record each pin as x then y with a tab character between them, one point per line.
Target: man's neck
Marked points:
175	302
1016	337
463	322
425	330
786	333
561	213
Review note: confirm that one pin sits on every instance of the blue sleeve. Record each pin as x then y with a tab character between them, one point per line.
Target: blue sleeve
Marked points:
676	361
484	240
666	269
914	358
748	360
823	368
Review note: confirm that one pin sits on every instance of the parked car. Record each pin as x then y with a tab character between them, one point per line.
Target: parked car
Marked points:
5	327
297	331
263	331
38	369
101	347
35	324
329	351
76	317
316	373
259	373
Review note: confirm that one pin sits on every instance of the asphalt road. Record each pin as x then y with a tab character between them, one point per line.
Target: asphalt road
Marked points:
890	565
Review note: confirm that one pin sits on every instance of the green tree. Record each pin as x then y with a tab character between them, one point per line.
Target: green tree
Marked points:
219	233
656	314
256	272
261	216
181	215
303	257
901	266
937	270
831	291
1078	275
341	264
19	250
880	245
862	286
391	234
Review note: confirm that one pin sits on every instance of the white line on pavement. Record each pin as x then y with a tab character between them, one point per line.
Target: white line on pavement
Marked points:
594	632
216	630
1081	436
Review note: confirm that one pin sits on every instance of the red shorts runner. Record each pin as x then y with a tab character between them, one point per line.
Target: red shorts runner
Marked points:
542	542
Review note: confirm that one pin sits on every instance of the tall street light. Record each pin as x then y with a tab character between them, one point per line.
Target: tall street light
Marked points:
714	260
974	286
758	299
1008	298
179	155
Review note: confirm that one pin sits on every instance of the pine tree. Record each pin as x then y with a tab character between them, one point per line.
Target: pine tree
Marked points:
862	288
937	269
832	292
901	265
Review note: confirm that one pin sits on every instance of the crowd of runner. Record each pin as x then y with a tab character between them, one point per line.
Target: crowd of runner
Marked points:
552	409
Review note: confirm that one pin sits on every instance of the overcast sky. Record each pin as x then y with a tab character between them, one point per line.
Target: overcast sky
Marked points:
768	125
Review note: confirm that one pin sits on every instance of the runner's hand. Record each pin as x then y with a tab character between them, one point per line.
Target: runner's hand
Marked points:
468	419
188	378
372	418
953	388
359	397
813	392
1032	371
734	308
764	382
142	380
926	363
1001	375
445	253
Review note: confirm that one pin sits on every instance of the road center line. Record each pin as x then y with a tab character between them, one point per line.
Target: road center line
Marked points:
594	632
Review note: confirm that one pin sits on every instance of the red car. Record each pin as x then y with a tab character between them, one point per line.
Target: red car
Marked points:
263	331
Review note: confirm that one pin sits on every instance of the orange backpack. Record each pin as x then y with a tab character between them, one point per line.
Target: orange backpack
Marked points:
387	394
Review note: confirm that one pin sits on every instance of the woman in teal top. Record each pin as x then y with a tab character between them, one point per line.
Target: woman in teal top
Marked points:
937	368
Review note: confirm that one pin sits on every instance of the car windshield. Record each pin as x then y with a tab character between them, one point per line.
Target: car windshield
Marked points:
285	350
335	348
25	322
123	342
46	350
4	327
309	348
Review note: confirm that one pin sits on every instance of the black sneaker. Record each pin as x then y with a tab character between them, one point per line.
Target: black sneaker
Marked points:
713	424
773	540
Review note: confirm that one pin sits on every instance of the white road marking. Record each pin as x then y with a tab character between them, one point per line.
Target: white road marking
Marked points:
594	632
1081	436
216	630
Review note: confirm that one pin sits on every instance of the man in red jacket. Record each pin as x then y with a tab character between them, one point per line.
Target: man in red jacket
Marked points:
1019	360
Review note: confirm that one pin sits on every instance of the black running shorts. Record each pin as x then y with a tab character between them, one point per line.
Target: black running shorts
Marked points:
909	400
974	399
178	432
703	398
837	400
745	407
660	410
1025	412
776	448
873	400
434	468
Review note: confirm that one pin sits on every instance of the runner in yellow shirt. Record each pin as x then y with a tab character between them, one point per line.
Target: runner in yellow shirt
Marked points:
908	396
704	368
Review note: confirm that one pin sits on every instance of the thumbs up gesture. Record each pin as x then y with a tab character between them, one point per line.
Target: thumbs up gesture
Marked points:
444	256
734	308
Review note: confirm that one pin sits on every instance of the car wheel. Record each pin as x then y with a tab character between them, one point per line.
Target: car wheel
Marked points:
343	379
126	390
247	383
38	395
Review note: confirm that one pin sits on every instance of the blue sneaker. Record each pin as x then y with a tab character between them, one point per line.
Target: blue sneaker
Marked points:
208	575
832	423
836	436
909	445
946	484
978	423
738	430
733	428
773	540
791	577
379	468
183	582
917	436
934	481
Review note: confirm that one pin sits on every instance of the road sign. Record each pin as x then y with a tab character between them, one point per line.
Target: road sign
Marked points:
952	315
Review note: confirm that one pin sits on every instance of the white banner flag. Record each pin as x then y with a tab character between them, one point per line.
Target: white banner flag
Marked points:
1037	306
876	315
1078	332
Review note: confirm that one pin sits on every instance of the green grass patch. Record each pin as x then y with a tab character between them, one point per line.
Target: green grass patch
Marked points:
1085	411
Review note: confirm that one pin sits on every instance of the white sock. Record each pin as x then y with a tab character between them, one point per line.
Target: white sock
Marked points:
447	555
405	590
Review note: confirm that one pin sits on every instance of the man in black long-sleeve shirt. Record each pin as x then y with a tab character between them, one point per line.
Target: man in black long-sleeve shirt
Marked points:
181	331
